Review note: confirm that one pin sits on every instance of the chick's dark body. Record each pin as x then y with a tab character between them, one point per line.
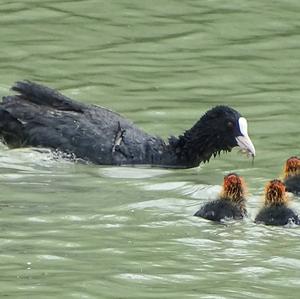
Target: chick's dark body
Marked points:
219	210
277	215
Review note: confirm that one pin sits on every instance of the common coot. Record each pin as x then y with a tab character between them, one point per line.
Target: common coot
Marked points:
39	116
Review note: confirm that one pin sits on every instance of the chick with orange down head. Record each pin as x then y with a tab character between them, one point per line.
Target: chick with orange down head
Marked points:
231	203
275	210
292	175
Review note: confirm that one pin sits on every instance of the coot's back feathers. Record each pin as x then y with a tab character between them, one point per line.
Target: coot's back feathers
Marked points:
45	96
90	132
41	116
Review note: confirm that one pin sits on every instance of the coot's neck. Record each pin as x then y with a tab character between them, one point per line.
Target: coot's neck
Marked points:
196	145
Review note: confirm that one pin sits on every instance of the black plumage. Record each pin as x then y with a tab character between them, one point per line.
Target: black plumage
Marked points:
277	215
42	117
293	184
219	210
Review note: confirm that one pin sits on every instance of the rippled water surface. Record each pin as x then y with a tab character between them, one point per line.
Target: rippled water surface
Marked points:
83	231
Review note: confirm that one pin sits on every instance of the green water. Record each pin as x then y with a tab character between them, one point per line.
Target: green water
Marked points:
84	231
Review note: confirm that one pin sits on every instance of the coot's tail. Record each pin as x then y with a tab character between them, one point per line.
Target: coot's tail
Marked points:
42	95
11	129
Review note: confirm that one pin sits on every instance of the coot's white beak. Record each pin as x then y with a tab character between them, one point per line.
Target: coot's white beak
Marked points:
244	141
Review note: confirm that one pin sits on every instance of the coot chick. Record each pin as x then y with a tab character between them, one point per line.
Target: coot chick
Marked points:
275	210
292	175
41	117
232	201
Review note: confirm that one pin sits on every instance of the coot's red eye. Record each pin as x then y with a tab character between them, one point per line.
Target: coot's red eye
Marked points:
229	124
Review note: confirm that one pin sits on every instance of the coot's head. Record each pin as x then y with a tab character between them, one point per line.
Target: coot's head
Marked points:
275	194
292	167
229	129
234	188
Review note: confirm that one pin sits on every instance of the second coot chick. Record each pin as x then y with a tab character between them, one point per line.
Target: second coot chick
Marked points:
275	210
231	203
292	175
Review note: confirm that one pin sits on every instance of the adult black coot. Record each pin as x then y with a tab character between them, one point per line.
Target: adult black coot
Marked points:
41	117
275	210
232	201
291	177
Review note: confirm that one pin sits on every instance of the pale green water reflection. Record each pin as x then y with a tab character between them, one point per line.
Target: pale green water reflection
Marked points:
84	231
